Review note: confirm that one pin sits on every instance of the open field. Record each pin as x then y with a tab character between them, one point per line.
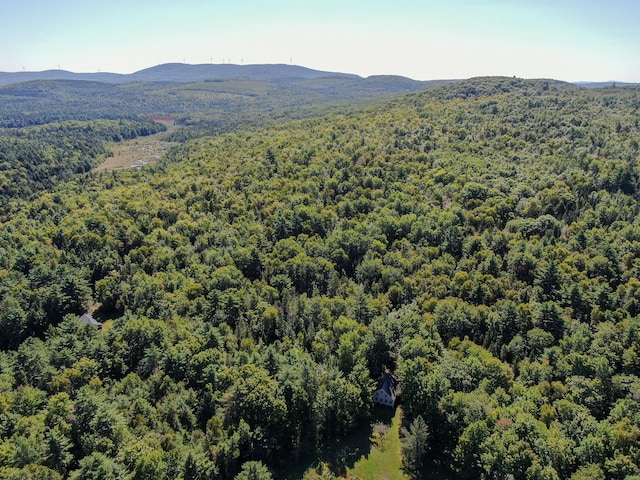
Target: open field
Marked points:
138	152
384	460
371	452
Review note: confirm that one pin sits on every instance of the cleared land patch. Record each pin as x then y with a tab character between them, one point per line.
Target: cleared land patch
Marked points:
138	152
384	460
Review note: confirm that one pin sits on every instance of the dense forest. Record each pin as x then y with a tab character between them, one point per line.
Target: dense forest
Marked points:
481	240
38	157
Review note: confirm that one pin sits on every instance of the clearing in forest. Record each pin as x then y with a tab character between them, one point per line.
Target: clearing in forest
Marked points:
138	152
371	452
384	460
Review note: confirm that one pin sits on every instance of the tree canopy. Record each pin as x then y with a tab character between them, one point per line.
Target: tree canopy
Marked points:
480	239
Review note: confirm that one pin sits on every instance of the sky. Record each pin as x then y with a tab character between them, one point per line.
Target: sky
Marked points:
568	40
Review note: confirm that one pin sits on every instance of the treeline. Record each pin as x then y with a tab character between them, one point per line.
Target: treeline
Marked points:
47	101
37	158
484	246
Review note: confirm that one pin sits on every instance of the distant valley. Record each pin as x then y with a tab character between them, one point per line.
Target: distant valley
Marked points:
215	98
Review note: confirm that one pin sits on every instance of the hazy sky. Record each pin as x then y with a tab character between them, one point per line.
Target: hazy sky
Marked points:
422	39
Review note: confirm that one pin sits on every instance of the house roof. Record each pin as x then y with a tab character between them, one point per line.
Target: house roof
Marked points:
88	319
387	383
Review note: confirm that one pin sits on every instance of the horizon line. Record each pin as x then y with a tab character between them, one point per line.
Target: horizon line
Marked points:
283	64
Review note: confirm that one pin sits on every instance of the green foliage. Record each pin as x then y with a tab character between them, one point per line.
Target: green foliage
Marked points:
37	158
254	471
415	445
479	239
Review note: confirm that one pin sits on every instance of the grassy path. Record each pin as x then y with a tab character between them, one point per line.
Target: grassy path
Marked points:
384	460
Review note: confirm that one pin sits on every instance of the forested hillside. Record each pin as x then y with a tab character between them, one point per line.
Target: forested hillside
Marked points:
37	158
213	105
481	240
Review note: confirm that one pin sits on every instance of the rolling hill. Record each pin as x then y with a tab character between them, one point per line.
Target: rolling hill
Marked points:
280	74
216	98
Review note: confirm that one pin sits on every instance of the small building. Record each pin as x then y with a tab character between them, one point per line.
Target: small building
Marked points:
89	320
385	393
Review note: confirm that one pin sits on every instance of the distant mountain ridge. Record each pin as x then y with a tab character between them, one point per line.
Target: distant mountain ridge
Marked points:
10	78
185	73
281	74
181	72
